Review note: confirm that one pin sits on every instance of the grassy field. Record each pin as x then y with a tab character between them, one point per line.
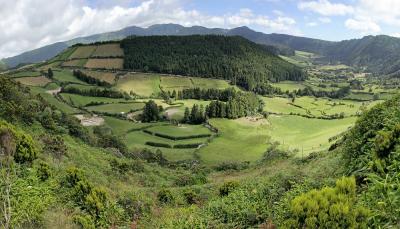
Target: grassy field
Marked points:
108	50
83	52
79	100
26	74
210	83
141	84
238	140
115	108
108	77
317	107
180	131
53	101
34	81
175	83
289	85
304	134
75	63
66	75
110	63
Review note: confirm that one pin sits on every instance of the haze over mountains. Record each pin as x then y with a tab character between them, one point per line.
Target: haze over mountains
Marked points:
377	54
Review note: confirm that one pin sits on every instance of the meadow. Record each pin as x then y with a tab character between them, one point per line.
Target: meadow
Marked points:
116	108
108	63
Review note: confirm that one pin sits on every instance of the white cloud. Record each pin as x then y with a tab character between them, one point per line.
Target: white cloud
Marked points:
326	8
312	24
370	14
29	24
324	20
365	27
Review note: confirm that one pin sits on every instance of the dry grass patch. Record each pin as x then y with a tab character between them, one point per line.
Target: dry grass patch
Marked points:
34	81
108	50
83	52
74	63
110	63
108	77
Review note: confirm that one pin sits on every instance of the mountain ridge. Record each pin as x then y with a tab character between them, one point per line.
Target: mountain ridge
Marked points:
376	54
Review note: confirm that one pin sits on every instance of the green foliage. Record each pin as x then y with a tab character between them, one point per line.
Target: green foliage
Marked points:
43	171
151	112
328	208
25	149
228	187
165	196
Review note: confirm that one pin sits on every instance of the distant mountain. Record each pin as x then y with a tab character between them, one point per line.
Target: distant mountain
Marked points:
378	54
3	66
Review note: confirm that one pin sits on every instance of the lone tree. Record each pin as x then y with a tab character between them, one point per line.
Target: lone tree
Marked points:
50	73
151	112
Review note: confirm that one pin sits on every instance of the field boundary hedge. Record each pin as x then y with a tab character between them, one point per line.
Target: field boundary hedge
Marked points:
176	138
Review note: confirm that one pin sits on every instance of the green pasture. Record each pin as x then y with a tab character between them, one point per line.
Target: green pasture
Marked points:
141	84
115	108
237	141
79	100
305	134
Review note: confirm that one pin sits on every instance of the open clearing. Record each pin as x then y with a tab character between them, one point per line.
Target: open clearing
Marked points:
90	120
74	63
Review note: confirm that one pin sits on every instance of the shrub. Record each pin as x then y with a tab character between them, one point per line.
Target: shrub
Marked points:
328	208
165	196
25	150
43	171
191	197
84	221
158	144
228	187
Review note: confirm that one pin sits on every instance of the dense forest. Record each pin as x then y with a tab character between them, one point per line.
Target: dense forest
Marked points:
233	58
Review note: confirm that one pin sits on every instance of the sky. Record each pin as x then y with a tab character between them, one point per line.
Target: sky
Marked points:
30	24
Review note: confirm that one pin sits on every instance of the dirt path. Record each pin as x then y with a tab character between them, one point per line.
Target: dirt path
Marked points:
171	112
90	121
54	92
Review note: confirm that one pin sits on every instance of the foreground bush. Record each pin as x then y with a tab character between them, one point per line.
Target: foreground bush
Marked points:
328	208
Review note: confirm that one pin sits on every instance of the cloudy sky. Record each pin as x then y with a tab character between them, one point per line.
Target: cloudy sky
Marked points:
29	24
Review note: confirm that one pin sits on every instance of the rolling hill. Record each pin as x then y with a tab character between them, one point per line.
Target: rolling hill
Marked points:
377	54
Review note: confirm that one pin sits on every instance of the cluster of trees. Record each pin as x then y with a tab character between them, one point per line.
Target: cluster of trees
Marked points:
309	91
95	92
194	116
90	80
232	58
151	112
205	94
234	104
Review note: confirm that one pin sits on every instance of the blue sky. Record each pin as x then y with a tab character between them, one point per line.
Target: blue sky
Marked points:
36	23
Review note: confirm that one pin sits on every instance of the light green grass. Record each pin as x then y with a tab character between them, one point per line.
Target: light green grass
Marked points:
79	100
141	84
26	74
304	134
289	85
115	108
83	52
237	141
53	101
210	83
170	83
180	131
66	76
121	127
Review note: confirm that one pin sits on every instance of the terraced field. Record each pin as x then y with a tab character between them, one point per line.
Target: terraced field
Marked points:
108	50
108	77
83	52
110	63
75	63
79	100
34	81
141	84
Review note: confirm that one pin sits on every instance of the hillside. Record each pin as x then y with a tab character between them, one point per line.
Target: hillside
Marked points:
376	53
231	58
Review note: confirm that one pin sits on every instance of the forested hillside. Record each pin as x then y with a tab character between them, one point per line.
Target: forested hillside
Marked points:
234	58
